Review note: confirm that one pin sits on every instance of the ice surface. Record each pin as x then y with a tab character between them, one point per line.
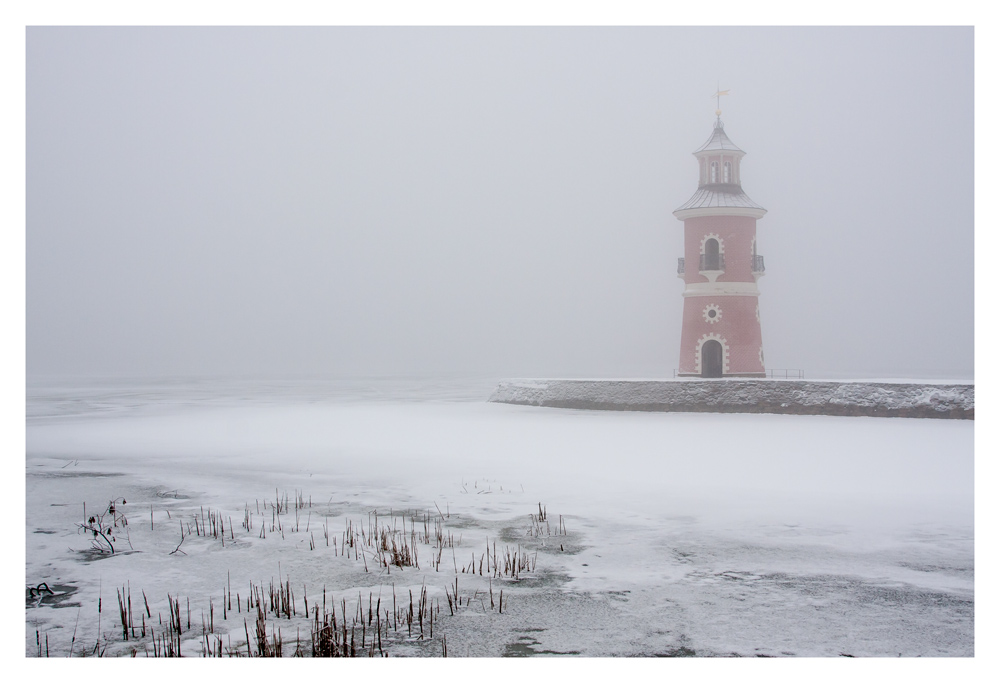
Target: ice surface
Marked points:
713	534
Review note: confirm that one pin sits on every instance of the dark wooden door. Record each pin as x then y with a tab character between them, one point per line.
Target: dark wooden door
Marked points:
711	359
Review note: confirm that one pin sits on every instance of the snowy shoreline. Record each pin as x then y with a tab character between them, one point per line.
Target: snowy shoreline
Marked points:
667	534
793	397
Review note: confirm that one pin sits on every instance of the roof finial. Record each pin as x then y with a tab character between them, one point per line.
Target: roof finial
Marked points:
718	105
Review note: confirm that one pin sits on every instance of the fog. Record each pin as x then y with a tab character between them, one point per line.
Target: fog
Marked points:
379	201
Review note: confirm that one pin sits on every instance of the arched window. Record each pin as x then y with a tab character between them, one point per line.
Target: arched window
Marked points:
715	172
727	173
711	259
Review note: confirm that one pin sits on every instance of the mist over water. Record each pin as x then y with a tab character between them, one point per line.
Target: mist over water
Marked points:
301	259
84	397
386	201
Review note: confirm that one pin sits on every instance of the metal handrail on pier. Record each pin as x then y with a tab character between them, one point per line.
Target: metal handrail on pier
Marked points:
786	374
776	374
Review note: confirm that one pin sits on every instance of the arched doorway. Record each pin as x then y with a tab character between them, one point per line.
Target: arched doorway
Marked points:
711	359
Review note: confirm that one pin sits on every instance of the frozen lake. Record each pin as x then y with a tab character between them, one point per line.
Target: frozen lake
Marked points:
680	534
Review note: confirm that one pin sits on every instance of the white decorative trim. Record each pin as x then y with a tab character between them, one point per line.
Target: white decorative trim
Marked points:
708	153
721	289
684	214
756	312
712	319
712	236
761	356
725	352
712	275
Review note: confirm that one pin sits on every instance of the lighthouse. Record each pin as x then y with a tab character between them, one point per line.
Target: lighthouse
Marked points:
720	336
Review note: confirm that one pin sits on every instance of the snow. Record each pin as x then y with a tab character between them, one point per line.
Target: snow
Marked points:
719	534
746	395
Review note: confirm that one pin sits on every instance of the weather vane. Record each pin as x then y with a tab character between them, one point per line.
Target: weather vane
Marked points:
718	95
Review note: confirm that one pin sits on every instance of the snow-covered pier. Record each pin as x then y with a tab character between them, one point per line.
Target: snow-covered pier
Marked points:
796	397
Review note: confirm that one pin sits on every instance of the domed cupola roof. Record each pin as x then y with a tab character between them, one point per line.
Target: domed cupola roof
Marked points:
731	197
719	142
720	191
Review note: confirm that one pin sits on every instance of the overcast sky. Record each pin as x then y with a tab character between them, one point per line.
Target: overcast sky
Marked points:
355	201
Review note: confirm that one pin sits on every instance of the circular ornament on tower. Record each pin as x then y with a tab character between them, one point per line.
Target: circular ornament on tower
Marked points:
712	314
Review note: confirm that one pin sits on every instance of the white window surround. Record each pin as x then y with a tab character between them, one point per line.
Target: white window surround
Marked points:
712	275
712	236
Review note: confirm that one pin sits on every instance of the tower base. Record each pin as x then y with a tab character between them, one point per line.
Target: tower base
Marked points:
735	375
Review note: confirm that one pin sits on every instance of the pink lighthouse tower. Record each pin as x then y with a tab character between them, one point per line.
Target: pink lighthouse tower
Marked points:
720	336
